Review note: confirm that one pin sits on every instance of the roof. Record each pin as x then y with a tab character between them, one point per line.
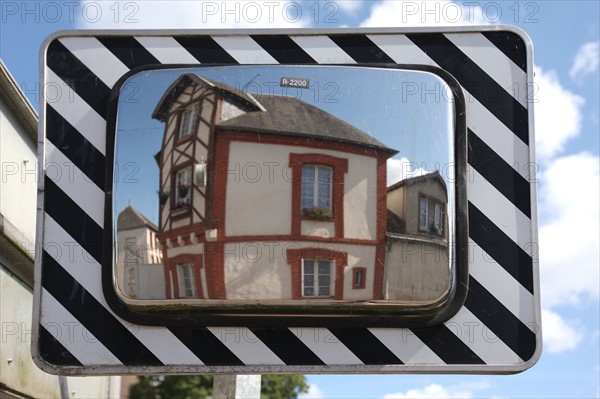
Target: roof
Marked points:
272	114
395	224
130	218
17	102
179	85
435	175
289	116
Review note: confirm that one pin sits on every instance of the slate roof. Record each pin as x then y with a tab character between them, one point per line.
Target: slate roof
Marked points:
130	218
289	116
272	114
435	175
395	224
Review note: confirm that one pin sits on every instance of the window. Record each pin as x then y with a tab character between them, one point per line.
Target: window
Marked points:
183	188
316	188
359	275
317	278
431	215
437	219
200	174
186	280
423	214
186	121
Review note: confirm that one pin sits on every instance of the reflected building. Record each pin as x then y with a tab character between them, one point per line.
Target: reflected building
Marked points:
140	272
417	267
267	198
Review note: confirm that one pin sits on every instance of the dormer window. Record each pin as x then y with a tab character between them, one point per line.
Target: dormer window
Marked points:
431	215
187	118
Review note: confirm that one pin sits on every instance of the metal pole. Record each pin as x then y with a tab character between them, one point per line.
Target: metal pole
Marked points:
236	387
63	385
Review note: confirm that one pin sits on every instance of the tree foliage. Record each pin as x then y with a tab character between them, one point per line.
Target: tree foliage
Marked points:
200	386
282	386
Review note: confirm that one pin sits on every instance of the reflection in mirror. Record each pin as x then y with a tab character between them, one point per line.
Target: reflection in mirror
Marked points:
284	186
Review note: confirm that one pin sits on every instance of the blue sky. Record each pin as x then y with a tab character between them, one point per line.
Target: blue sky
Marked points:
565	36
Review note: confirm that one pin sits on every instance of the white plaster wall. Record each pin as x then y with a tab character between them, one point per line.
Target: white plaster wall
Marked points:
207	110
166	176
18	198
200	153
181	222
360	198
146	247
199	203
317	228
359	256
18	163
260	270
395	201
259	195
257	270
260	203
184	97
416	271
151	281
229	111
21	374
188	249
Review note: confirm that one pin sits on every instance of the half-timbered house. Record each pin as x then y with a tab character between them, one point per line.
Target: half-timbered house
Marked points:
267	198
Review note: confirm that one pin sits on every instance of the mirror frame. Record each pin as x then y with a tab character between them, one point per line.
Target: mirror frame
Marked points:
297	315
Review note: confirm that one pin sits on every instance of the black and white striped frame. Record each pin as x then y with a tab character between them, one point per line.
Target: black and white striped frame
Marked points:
498	328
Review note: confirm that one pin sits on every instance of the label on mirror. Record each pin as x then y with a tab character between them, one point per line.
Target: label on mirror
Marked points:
294	82
239	190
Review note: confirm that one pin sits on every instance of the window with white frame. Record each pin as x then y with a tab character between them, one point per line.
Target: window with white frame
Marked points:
186	280
437	218
316	188
183	188
187	117
431	213
317	278
423	214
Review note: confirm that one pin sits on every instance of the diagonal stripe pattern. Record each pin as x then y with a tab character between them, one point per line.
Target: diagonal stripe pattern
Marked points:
492	328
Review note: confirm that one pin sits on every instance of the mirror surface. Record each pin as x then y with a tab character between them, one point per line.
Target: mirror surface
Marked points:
284	186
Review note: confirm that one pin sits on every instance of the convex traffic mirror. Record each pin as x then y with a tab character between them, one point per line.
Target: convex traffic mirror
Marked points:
288	194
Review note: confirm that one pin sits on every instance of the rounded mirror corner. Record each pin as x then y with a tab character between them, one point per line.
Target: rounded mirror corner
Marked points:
287	195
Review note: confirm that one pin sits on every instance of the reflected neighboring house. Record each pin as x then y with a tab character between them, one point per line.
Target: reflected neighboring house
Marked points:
417	265
267	198
140	272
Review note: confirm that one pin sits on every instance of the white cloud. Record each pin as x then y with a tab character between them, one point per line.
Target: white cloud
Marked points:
313	393
569	194
436	391
349	6
400	169
182	14
559	335
394	13
586	61
570	232
557	114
